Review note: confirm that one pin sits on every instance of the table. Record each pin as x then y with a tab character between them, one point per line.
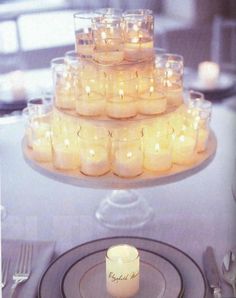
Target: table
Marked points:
190	214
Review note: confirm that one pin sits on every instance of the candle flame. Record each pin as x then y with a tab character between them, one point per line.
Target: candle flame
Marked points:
92	152
103	35
87	89
151	90
157	147
136	28
48	134
121	93
135	40
129	154
182	138
66	142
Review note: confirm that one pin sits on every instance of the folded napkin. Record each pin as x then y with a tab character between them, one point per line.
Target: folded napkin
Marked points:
42	256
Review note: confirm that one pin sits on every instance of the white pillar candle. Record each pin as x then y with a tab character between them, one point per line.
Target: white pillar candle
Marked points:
128	163
152	103
184	150
121	106
208	73
90	103
42	149
94	161
157	158
65	155
122	271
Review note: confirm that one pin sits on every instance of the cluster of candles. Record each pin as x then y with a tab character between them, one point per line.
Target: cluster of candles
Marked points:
117	91
153	145
110	36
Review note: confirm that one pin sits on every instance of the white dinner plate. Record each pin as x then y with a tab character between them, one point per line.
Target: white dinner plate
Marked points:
87	277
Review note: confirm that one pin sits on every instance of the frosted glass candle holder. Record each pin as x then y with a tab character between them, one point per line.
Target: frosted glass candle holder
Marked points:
84	43
94	144
138	34
108	39
122	271
127	152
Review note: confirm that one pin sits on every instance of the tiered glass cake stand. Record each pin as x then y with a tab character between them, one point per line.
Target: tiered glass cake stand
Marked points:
123	207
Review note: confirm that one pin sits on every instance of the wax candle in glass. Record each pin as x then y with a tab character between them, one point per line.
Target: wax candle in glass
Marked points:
108	39
169	69
152	101
63	84
127	152
122	270
84	43
90	99
138	34
208	74
123	102
94	144
158	147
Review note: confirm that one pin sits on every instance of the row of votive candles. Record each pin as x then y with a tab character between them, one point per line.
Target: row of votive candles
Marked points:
121	153
111	36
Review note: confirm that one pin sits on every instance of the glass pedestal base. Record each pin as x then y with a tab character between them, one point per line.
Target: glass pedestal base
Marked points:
124	209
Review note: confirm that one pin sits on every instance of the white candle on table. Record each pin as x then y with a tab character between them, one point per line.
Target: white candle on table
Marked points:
65	155
95	161
42	149
128	163
184	150
208	73
122	271
152	103
90	103
121	106
157	158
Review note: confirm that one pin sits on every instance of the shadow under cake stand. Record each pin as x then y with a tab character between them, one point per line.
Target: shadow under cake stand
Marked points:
123	207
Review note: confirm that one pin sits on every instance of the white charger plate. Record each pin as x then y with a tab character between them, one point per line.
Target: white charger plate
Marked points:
193	279
158	277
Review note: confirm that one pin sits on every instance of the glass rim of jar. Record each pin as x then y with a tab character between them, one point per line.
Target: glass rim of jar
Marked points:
174	57
57	61
107	20
109	11
124	245
147	18
199	95
139	11
72	54
125	139
87	14
105	134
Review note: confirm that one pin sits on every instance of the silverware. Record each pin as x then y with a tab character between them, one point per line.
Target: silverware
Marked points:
23	267
229	270
5	269
212	273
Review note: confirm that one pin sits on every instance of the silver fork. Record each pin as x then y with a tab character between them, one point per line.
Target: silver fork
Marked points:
5	269
23	267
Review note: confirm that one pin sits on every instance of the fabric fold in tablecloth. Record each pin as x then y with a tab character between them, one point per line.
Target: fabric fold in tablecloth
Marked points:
42	256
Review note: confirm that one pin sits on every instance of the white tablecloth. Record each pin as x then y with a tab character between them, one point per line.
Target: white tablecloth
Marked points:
190	214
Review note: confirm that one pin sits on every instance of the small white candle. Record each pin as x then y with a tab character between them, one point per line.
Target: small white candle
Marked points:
152	103
121	106
128	163
42	149
184	150
122	271
208	73
94	161
65	155
157	158
90	103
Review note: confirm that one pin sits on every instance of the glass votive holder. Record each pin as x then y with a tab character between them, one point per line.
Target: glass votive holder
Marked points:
152	101
84	43
108	39
169	68
138	34
94	144
63	87
158	147
73	61
184	145
90	99
127	152
65	151
41	140
122	260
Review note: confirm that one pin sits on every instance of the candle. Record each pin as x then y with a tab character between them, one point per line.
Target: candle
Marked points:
173	91
138	48
208	74
184	150
152	103
42	148
122	271
90	103
65	155
95	161
64	92
36	129
128	163
157	158
121	106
